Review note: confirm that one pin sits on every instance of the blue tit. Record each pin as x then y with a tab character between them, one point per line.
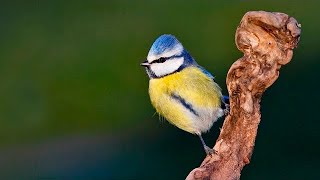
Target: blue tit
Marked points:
181	90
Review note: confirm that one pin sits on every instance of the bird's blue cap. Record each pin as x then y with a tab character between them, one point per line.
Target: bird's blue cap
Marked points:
163	44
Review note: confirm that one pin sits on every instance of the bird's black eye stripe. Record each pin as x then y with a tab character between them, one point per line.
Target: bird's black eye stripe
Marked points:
163	59
160	60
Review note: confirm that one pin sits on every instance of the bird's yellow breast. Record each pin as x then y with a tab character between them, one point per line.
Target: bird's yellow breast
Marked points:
195	88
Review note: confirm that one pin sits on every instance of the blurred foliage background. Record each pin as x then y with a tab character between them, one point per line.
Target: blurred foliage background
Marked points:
74	101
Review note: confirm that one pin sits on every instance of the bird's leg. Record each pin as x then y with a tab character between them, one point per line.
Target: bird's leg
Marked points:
207	149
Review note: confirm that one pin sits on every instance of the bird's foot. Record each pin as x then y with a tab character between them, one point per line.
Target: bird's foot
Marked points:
209	151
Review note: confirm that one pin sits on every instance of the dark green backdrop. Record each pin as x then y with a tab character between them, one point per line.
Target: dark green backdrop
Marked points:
74	101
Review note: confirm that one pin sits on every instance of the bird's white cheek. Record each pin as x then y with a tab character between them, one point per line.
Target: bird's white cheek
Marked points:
168	67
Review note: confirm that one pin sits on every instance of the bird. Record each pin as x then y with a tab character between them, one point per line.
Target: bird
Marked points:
182	91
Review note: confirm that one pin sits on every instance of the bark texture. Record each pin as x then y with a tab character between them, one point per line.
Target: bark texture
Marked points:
267	40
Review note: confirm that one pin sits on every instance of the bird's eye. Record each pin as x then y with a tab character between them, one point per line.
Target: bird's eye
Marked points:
162	59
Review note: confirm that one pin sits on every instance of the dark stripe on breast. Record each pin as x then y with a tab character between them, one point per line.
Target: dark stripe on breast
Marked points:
184	103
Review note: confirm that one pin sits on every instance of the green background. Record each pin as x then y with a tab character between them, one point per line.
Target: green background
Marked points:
74	101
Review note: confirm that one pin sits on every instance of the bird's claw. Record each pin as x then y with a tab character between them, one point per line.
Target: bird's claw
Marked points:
210	151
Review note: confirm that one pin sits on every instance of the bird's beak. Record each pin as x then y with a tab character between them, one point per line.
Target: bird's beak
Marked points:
145	63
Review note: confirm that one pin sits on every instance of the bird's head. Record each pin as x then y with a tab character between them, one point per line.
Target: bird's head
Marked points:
166	56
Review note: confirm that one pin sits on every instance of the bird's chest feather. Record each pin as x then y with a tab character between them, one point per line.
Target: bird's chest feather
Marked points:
185	97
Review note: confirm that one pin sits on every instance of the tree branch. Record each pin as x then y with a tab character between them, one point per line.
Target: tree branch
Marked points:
267	41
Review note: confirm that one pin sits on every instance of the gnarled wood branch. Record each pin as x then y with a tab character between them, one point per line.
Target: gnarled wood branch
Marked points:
267	41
